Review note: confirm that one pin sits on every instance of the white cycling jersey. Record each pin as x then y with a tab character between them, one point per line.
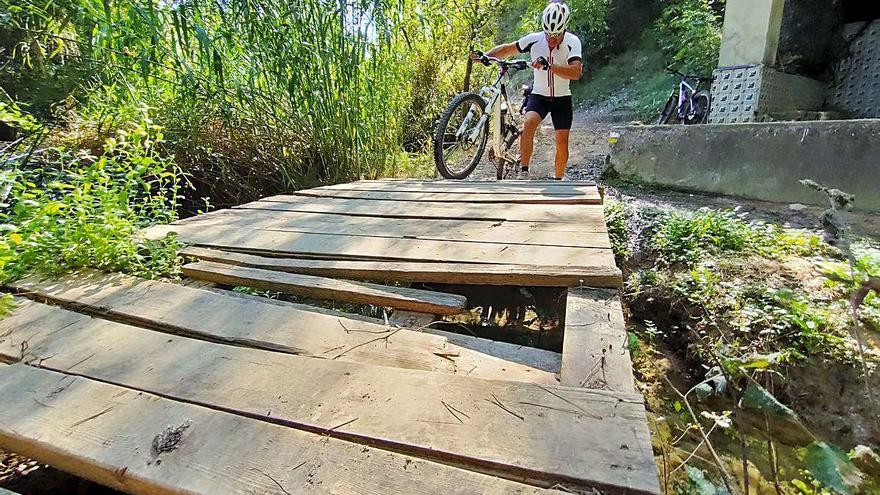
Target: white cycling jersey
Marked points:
547	84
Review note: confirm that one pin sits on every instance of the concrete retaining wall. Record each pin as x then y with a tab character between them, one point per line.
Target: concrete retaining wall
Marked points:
760	161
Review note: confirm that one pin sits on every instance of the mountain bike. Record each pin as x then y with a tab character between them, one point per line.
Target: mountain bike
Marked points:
690	105
463	128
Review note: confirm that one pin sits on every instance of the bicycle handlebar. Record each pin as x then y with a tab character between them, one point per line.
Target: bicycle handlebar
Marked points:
516	65
686	76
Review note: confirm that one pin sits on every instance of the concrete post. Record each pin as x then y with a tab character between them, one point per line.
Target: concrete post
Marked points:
751	32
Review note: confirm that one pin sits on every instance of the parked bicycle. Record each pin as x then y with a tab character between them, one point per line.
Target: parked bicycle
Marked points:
463	128
690	104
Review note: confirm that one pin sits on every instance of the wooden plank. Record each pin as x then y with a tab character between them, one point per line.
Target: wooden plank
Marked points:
448	273
253	323
423	301
501	184
580	438
114	436
457	197
589	234
469	187
594	347
398	249
421	209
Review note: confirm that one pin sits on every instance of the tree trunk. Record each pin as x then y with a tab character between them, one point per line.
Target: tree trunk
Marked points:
467	73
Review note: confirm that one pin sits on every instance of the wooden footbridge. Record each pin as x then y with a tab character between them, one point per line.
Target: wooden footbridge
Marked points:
157	387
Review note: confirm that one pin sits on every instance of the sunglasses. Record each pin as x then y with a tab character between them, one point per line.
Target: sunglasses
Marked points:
556	36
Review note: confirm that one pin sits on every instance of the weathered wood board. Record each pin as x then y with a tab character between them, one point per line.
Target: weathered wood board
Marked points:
328	288
144	444
422	209
225	318
547	435
558	198
591	233
595	350
447	273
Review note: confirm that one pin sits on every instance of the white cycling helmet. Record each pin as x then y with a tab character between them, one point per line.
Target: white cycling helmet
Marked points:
555	18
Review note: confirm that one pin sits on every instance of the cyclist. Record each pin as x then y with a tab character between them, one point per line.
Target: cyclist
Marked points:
556	60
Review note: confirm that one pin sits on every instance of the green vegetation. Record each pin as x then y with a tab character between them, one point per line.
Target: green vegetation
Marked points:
687	36
690	34
742	306
616	216
632	81
62	209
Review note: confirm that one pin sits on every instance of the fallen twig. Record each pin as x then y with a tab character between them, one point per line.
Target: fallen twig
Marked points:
385	338
452	411
276	481
502	406
584	411
330	430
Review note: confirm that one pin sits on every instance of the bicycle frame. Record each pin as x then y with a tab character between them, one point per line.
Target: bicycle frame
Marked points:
685	101
496	97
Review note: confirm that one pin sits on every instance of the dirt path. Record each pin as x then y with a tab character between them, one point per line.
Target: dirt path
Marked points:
587	160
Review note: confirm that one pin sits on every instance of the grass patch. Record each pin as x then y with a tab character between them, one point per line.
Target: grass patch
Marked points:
689	237
634	81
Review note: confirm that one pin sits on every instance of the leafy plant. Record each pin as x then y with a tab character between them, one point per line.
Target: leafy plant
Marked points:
64	210
616	218
690	33
832	468
689	237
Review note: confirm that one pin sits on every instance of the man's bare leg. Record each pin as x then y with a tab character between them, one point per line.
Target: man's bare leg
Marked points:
527	139
561	152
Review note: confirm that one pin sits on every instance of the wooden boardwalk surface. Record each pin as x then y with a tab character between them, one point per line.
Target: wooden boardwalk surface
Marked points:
156	387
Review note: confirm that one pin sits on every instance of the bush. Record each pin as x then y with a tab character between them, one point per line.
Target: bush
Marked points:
67	209
690	34
616	218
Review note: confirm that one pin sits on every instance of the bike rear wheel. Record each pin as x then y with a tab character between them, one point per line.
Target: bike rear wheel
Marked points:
670	111
458	142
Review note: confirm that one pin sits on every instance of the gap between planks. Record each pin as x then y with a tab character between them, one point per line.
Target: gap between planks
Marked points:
237	319
423	301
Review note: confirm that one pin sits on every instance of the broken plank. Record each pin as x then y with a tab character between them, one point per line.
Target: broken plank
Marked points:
577	437
421	209
448	273
233	319
143	444
591	233
457	197
595	351
423	301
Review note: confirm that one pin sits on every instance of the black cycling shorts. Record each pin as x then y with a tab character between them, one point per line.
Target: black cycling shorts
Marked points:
559	108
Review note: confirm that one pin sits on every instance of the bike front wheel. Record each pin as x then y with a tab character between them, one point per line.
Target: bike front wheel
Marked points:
460	137
702	103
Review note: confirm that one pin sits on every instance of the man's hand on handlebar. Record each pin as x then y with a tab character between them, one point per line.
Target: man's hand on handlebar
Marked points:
541	63
480	57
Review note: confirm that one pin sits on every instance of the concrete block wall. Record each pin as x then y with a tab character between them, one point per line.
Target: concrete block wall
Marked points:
760	161
856	89
757	93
